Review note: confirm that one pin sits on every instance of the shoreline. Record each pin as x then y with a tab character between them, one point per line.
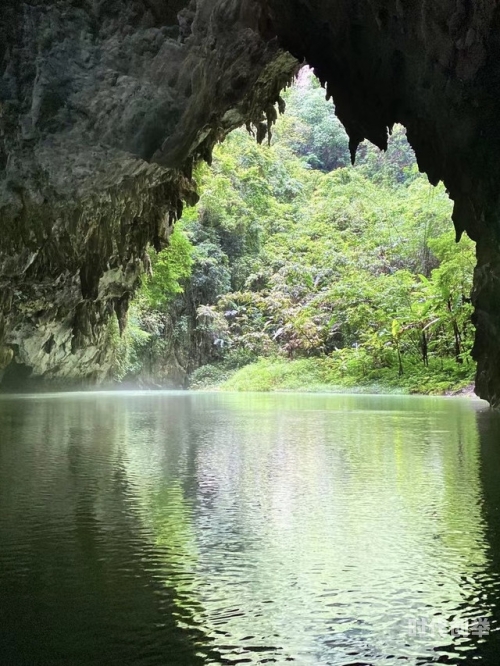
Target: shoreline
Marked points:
375	390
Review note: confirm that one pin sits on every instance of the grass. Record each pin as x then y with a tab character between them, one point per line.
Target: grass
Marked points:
346	374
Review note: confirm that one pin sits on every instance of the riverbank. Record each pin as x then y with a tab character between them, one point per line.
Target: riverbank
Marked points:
334	376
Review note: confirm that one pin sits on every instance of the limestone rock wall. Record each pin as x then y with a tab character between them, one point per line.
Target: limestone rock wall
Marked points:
104	107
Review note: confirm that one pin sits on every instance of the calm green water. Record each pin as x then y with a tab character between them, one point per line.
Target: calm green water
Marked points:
186	529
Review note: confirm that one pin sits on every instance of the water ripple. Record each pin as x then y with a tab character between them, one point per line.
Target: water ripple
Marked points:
208	529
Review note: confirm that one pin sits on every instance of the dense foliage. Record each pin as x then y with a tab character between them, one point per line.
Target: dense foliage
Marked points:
323	273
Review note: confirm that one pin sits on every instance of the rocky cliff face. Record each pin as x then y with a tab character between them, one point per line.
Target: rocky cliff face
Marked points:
105	105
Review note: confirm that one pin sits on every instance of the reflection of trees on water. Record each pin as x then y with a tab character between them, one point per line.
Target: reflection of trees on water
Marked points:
296	519
246	526
348	517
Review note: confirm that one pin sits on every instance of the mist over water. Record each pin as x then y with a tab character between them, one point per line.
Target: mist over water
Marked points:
182	528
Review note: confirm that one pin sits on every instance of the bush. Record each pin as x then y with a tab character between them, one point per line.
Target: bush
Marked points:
208	376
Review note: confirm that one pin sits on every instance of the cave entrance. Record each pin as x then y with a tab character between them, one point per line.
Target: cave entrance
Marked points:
16	377
297	269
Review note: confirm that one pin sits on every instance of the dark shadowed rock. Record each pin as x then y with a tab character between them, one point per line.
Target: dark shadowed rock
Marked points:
104	107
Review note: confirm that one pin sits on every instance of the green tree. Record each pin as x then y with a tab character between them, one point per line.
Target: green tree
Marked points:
168	270
292	253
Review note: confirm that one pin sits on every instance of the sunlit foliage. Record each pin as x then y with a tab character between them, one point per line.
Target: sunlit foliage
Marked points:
292	253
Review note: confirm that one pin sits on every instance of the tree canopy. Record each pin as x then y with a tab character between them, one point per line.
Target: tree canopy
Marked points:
292	254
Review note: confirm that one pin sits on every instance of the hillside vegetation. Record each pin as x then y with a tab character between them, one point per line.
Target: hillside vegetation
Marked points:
298	271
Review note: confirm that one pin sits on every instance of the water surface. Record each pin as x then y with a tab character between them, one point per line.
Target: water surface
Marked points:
181	528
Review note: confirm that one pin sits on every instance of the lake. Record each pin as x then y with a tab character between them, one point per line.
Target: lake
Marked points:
178	528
